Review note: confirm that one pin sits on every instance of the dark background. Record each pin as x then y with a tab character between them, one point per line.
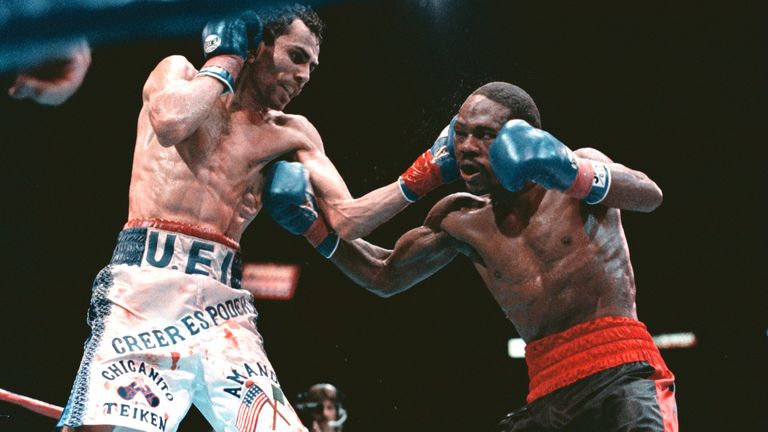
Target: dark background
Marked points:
674	89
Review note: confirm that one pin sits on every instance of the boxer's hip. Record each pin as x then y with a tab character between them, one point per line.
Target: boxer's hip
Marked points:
561	359
165	287
184	248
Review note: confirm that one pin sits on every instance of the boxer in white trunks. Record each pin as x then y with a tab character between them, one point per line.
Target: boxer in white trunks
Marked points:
170	325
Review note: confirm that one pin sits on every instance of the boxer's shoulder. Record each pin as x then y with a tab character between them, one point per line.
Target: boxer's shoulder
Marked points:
175	65
168	70
295	122
460	204
463	201
297	129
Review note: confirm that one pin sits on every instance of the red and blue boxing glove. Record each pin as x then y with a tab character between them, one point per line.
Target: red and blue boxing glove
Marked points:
225	46
522	153
435	167
288	197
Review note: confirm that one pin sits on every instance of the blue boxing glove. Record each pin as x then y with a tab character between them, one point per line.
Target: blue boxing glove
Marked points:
433	168
288	197
522	153
225	46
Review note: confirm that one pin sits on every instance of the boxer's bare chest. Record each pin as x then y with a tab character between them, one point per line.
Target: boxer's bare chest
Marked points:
236	146
529	253
213	177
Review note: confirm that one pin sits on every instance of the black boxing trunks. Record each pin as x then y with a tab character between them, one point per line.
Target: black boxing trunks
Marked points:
601	375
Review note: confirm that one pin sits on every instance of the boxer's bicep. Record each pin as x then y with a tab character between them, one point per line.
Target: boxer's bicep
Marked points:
330	189
178	102
417	255
168	73
350	217
309	150
325	178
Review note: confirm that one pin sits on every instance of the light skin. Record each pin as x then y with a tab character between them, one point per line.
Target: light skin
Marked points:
548	259
56	80
200	155
321	419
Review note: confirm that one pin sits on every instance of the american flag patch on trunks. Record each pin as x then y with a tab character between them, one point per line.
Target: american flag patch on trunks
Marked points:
250	408
252	404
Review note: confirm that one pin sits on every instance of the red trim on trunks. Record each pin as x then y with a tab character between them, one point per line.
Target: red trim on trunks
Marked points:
184	228
561	359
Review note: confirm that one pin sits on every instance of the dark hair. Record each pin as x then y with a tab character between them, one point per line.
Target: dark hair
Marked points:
521	105
277	20
321	392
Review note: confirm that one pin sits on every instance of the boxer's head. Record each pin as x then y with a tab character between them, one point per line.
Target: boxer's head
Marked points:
289	52
480	118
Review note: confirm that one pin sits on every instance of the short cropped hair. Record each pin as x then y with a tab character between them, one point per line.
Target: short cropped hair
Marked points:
277	20
521	105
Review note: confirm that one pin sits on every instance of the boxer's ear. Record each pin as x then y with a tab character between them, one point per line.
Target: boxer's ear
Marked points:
269	37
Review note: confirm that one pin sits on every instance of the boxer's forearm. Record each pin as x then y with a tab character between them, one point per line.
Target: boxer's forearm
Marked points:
629	189
417	255
632	190
356	218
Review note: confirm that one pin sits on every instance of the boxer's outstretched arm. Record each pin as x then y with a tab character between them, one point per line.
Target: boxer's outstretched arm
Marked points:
353	218
418	254
349	217
178	102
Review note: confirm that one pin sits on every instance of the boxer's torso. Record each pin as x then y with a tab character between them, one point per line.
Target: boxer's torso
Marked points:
214	178
549	261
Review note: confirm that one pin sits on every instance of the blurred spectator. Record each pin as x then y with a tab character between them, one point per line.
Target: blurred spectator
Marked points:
321	408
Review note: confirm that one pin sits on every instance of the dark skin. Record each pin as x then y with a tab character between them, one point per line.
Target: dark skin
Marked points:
548	259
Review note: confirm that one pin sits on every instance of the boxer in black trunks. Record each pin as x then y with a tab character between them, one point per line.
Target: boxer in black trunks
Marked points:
542	226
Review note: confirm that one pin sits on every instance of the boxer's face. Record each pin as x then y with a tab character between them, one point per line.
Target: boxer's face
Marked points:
281	70
478	122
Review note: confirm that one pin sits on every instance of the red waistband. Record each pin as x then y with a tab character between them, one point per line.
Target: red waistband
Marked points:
183	228
561	359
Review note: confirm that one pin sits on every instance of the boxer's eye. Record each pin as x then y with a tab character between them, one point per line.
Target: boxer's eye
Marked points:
298	56
484	134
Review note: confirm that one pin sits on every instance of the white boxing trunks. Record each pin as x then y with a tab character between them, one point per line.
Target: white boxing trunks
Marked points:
170	328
